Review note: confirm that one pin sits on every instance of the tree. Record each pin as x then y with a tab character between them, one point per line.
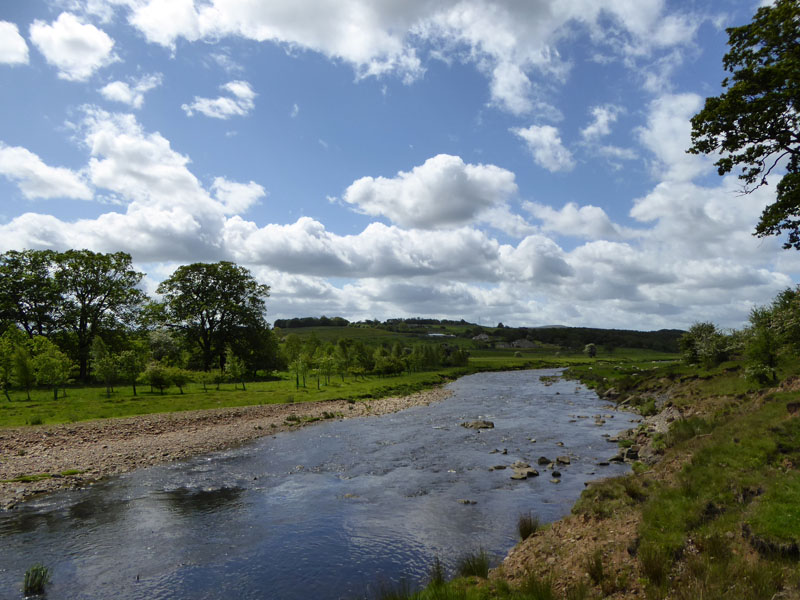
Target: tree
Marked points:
98	292
754	125
590	350
156	376
50	366
131	364
235	367
28	293
104	365
703	344
209	302
9	341
23	368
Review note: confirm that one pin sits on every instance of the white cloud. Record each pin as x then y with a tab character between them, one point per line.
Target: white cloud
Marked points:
238	103
13	49
75	48
295	111
693	243
237	198
38	180
604	117
514	44
132	93
589	222
443	191
544	143
668	134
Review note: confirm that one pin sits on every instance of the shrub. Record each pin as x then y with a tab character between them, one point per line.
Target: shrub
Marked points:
36	579
474	564
527	525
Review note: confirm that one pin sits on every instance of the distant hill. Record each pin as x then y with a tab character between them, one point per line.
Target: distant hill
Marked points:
572	338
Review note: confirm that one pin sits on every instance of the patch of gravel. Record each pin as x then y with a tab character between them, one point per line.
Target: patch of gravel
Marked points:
107	447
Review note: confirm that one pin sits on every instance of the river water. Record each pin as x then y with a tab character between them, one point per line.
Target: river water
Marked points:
331	511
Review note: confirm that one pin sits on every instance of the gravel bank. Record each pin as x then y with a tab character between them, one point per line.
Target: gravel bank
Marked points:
97	449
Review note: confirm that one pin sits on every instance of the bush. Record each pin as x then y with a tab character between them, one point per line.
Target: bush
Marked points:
36	579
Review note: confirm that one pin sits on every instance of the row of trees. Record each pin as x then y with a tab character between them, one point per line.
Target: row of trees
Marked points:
90	307
772	333
352	357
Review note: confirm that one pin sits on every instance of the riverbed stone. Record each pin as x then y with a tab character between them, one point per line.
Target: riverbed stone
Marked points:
563	460
543	460
479	424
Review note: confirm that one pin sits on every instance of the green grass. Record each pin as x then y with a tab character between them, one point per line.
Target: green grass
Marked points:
91	402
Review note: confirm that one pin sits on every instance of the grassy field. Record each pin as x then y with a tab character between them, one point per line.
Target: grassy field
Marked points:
91	402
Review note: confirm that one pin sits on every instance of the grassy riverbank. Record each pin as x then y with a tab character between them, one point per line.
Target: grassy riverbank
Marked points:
94	402
714	513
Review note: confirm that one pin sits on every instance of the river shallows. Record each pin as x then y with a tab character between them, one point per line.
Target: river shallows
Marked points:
326	512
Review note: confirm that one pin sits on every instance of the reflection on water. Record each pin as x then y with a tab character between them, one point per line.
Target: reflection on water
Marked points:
326	512
189	502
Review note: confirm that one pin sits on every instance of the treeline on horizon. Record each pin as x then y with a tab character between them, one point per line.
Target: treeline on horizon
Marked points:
570	338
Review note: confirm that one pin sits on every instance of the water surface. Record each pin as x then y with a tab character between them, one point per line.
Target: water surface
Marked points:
326	512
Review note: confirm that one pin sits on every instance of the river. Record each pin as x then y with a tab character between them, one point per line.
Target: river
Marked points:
327	512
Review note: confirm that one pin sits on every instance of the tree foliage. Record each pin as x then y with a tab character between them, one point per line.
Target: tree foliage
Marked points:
754	125
210	303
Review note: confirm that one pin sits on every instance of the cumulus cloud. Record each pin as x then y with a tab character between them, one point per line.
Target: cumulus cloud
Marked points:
13	49
443	191
544	143
131	93
514	44
693	242
76	49
588	222
238	103
667	135
237	198
39	180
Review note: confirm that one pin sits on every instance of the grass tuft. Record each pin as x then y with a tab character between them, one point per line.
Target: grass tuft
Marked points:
36	579
527	525
474	564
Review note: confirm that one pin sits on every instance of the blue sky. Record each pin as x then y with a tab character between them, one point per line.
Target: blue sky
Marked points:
521	162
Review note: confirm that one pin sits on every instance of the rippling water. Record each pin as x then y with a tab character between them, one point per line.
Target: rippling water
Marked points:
327	512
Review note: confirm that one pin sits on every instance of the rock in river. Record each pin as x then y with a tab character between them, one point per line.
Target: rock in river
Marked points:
478	424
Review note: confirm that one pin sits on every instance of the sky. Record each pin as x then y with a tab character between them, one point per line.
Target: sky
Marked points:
513	161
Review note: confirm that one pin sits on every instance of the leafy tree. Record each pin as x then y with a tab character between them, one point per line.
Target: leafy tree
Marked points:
235	367
50	366
703	344
98	291
131	364
210	302
590	350
105	365
178	377
9	341
28	293
156	375
754	125
24	374
762	346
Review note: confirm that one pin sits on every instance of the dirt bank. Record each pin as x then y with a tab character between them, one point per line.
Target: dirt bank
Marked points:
74	455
